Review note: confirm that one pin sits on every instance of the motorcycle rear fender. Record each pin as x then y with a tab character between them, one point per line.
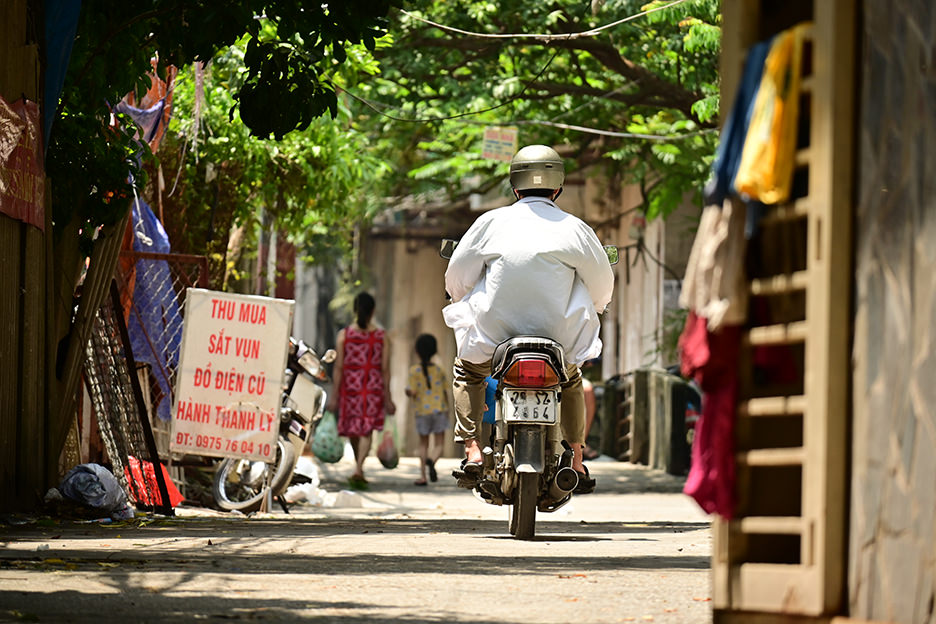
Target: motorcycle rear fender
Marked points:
509	351
529	448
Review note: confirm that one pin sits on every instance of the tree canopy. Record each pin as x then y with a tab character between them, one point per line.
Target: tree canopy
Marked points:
323	100
284	83
292	51
314	183
634	93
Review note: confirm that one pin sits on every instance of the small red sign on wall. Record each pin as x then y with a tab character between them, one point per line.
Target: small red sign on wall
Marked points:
22	177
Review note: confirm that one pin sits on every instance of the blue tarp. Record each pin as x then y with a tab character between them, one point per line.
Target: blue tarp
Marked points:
155	324
61	22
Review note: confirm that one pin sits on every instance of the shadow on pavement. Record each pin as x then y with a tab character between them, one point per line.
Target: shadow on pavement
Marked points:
144	606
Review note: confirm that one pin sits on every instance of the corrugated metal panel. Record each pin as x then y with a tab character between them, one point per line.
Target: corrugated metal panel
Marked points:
32	420
10	378
23	299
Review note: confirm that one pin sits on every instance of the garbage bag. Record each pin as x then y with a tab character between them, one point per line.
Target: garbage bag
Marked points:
95	486
327	444
387	452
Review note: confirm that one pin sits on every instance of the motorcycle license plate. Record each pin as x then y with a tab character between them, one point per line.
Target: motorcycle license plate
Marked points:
530	406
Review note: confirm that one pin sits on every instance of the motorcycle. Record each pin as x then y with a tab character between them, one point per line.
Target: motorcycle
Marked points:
526	463
240	484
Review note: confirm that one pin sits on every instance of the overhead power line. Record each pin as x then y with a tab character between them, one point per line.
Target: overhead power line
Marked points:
611	133
538	122
566	36
543	36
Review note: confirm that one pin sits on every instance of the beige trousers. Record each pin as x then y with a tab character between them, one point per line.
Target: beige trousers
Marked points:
468	394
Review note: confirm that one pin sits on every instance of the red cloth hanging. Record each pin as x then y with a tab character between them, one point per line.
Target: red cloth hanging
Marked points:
712	360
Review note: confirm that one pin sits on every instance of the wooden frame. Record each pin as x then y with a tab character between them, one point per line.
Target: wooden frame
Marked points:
754	569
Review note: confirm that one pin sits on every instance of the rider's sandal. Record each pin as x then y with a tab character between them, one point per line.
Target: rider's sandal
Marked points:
468	474
586	485
471	467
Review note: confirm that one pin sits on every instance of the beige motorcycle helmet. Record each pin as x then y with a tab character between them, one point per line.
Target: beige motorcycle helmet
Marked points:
536	167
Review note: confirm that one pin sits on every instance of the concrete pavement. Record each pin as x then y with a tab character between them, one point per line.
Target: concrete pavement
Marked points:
636	550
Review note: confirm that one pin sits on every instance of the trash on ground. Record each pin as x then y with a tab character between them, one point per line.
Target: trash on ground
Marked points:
94	488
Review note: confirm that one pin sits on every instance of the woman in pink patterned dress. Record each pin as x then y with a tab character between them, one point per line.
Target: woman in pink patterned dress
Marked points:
362	376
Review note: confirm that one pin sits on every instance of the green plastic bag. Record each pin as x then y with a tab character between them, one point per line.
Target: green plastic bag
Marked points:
327	445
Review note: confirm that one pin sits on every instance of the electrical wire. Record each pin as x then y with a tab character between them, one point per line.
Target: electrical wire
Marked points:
590	33
536	122
611	133
457	115
543	36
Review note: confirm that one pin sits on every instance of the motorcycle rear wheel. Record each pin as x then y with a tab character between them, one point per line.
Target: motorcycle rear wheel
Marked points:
523	511
238	483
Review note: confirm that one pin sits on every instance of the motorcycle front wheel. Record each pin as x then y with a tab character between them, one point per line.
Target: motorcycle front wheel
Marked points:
238	483
523	511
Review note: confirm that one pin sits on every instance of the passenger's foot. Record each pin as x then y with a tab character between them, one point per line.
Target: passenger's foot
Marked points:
473	452
586	485
471	467
590	453
468	474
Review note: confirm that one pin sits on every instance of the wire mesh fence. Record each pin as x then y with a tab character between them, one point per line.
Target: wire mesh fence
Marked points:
120	410
153	287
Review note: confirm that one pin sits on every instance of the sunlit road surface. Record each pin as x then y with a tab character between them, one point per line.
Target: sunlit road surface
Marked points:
637	550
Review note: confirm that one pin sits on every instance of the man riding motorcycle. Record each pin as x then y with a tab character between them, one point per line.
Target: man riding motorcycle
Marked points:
526	269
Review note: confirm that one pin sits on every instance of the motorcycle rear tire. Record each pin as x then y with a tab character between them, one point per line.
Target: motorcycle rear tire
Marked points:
523	511
247	496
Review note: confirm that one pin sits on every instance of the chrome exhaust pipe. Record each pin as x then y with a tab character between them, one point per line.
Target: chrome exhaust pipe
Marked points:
565	481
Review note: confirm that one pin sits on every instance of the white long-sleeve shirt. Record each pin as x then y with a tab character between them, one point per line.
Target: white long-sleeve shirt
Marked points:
528	268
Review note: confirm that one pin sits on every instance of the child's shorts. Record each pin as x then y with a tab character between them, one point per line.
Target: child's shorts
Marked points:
436	422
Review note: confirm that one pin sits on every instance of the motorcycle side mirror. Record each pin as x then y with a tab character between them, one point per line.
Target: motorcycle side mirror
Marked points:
612	253
329	356
448	247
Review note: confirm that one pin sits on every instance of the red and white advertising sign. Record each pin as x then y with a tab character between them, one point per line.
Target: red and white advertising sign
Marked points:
500	143
230	375
22	177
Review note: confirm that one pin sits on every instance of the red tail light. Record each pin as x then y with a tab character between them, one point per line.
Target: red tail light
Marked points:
531	374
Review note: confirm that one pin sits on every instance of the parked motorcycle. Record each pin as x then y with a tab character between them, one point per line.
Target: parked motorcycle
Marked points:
239	483
527	465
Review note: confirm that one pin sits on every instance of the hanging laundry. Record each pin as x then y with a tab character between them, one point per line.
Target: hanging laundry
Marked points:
711	359
731	141
149	120
716	294
714	286
765	172
753	166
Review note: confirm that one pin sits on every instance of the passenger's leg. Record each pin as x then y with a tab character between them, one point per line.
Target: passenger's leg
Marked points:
572	418
573	426
468	396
